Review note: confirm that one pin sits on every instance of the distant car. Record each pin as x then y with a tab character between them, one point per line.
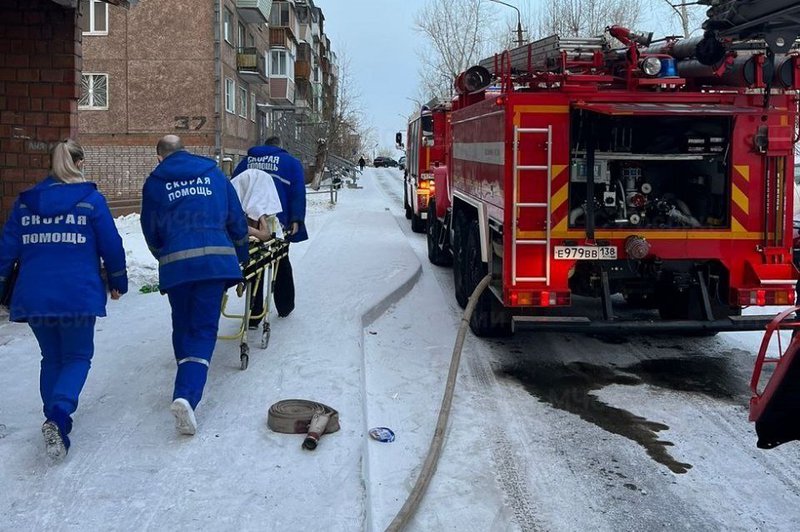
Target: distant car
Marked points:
383	161
401	163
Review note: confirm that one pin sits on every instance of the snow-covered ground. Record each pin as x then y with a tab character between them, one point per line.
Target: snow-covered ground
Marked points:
128	469
530	445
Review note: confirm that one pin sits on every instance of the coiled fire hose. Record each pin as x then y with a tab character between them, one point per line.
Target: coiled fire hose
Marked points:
299	416
405	514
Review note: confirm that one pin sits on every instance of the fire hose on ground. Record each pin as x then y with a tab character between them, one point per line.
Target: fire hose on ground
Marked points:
411	504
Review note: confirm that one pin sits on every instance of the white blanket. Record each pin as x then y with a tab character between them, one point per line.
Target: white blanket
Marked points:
257	193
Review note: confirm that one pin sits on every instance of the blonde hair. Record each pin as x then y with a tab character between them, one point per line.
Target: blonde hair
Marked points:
64	161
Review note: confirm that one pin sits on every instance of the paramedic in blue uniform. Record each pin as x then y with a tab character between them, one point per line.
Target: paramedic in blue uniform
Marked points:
195	227
287	172
58	233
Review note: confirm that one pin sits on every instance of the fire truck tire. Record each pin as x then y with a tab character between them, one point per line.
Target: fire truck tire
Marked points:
417	223
409	212
459	259
490	318
440	256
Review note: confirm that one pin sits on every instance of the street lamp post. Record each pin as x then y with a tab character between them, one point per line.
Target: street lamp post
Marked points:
520	40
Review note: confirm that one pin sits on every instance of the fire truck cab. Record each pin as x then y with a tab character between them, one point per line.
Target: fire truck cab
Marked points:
425	151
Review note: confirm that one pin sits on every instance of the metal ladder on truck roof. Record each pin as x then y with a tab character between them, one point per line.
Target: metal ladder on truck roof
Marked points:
545	55
518	205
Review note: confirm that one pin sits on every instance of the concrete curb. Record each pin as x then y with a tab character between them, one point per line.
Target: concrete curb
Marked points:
369	316
393	297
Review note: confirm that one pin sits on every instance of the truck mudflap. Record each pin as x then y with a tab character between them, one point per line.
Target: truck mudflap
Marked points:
775	405
632	326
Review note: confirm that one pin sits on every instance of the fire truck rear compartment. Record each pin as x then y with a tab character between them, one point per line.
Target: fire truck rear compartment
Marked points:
678	289
649	172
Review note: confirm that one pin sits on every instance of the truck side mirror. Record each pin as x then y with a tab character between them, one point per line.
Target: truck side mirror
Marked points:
398	139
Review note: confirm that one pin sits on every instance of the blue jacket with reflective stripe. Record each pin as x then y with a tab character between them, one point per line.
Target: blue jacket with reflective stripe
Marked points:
287	172
193	222
59	233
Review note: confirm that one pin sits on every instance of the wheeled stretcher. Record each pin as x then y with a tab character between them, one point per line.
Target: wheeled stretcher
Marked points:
775	406
262	267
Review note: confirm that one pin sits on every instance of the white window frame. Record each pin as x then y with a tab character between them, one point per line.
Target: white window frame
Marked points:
227	22
253	107
90	14
230	95
243	101
241	36
272	62
278	21
91	106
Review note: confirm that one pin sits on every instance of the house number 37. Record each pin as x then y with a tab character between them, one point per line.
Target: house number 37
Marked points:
190	122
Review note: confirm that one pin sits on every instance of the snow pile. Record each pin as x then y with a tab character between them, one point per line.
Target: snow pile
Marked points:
142	267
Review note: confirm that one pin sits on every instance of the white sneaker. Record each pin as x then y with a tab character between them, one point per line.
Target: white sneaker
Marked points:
185	422
54	445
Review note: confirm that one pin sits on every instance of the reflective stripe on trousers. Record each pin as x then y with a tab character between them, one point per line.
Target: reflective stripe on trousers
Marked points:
193	359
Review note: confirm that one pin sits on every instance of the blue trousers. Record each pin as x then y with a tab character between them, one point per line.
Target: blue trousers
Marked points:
67	346
195	319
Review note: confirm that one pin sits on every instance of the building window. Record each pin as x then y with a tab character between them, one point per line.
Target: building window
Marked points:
95	17
227	26
230	95
253	106
94	91
278	63
240	36
251	41
243	102
279	15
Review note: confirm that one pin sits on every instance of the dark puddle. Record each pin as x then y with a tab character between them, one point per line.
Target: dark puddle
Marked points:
568	387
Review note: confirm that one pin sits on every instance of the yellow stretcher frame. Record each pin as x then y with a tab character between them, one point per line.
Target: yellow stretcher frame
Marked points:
262	266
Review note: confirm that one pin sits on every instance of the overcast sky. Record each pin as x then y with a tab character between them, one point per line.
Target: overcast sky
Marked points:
378	39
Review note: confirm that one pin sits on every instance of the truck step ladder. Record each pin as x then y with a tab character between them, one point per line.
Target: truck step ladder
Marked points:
518	205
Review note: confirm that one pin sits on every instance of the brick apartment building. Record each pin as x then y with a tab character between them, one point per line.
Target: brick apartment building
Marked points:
40	64
222	74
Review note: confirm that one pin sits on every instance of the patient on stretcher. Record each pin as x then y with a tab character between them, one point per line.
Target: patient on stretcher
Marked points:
261	203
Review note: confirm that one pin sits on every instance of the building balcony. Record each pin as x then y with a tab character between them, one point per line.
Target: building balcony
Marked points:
302	104
303	94
251	64
282	90
254	11
305	32
302	69
281	37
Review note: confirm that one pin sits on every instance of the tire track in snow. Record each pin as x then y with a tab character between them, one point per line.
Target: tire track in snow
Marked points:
507	463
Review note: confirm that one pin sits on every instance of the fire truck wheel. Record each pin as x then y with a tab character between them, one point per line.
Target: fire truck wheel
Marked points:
490	318
459	259
440	256
417	223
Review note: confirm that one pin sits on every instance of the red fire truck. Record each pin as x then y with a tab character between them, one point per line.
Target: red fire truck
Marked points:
610	184
426	150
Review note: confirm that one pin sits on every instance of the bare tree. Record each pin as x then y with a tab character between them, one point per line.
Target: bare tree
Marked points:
456	35
346	116
689	17
587	18
342	130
